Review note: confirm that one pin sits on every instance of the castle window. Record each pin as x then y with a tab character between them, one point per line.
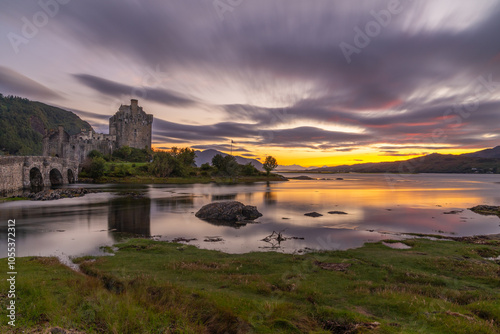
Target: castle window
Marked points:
135	132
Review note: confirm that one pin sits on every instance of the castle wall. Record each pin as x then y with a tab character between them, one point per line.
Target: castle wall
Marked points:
11	174
130	126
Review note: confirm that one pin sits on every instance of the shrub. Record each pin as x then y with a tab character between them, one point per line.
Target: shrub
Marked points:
97	168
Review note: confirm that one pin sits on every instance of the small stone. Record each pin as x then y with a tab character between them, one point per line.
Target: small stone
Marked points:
313	214
337	212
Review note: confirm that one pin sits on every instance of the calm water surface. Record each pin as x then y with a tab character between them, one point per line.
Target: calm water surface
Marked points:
374	206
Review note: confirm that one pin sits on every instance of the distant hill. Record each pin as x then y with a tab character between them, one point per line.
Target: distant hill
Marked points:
432	163
207	155
291	168
22	124
493	153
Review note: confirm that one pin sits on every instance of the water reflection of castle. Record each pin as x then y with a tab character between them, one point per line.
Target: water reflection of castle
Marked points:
133	215
130	215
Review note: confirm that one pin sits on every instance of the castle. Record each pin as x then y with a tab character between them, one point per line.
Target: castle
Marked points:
130	126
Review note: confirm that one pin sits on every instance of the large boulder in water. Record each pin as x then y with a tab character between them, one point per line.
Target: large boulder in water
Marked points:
230	211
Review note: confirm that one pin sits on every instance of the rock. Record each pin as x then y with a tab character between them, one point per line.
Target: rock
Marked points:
53	194
57	330
339	178
313	214
332	266
213	239
181	239
230	211
486	210
302	177
337	212
452	212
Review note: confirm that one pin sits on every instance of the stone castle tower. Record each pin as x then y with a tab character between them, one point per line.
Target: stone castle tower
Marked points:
131	126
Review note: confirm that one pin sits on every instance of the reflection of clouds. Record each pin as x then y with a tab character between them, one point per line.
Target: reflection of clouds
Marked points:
169	211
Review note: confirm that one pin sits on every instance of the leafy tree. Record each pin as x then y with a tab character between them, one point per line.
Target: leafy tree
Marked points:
270	164
97	168
95	154
218	162
231	167
205	167
132	154
163	164
226	165
249	170
186	156
176	162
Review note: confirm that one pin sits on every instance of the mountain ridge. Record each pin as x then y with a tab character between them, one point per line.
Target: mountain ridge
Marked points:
206	156
484	161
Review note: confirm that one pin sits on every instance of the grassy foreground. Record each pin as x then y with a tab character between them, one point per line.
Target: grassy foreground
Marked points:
158	287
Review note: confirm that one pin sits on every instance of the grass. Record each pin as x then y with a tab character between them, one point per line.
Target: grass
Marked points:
13	199
157	287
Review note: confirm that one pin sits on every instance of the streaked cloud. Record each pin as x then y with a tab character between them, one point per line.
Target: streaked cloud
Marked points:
272	75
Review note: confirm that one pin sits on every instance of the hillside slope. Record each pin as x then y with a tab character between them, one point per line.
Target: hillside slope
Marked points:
493	153
432	163
22	124
207	155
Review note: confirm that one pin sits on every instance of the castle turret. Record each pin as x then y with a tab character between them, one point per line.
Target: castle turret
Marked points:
134	106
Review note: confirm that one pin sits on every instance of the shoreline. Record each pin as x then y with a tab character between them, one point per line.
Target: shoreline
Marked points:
23	193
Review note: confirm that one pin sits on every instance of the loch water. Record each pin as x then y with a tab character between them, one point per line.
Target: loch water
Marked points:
378	206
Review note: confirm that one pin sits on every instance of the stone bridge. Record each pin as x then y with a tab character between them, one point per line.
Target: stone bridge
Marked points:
35	172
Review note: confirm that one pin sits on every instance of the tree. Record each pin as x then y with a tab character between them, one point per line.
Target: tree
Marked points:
231	167
95	154
97	168
163	164
249	170
226	165
269	164
218	162
186	156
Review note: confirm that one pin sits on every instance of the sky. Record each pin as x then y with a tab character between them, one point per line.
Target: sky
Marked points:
317	82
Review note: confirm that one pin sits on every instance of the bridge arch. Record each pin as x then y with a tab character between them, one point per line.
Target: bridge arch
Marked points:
56	178
71	176
36	179
25	172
